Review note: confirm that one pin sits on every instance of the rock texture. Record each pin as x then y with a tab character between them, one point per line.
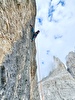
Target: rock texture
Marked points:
70	62
18	80
17	53
59	85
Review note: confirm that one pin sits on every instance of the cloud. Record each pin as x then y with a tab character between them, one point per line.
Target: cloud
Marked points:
56	21
62	2
40	20
57	36
42	62
50	13
48	51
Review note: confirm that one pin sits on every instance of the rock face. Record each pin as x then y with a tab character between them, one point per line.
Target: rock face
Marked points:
59	85
70	62
17	53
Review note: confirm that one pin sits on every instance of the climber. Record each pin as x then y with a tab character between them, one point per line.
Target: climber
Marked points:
34	34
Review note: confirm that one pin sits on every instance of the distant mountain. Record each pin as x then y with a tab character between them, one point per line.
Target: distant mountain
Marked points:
60	84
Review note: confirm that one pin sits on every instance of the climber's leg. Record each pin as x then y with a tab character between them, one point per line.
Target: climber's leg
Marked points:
33	36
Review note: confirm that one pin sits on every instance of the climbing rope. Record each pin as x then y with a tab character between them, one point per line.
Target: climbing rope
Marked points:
39	72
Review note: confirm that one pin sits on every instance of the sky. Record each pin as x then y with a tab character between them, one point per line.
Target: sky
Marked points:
56	21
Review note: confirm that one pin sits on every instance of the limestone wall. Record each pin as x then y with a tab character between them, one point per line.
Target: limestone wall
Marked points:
17	52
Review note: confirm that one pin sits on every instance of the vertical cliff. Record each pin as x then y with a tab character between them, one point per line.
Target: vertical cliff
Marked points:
17	52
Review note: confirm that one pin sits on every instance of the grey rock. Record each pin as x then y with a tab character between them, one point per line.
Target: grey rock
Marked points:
59	85
18	79
70	62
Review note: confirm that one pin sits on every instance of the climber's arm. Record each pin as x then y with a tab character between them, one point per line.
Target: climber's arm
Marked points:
37	32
